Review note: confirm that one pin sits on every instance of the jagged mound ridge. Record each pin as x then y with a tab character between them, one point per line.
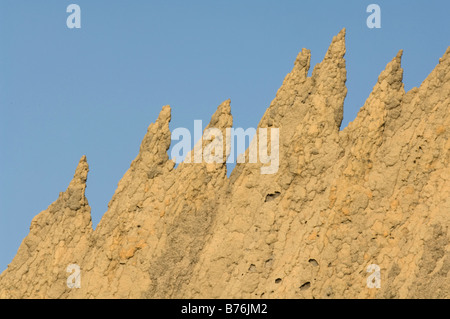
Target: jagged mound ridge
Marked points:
377	192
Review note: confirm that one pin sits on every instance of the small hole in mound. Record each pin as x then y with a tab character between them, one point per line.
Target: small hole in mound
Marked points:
278	280
305	286
313	262
271	197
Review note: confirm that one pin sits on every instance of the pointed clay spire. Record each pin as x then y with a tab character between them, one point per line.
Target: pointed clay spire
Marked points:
392	75
161	125
382	103
329	78
157	140
164	116
389	88
81	172
221	120
334	58
293	85
299	72
445	58
336	50
438	77
74	196
302	63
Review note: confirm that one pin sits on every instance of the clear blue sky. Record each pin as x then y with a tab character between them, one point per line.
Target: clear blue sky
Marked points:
94	91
